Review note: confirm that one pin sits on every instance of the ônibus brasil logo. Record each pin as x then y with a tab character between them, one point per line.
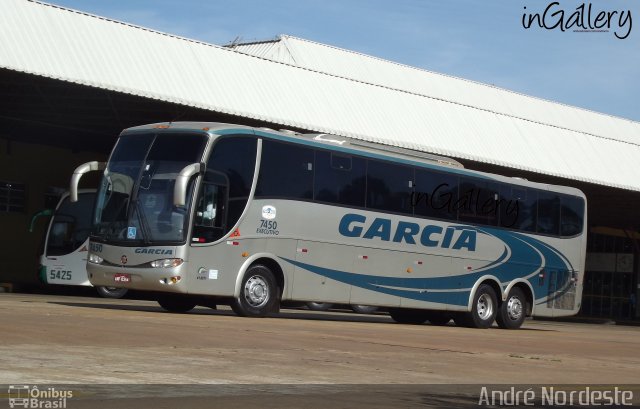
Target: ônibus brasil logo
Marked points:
25	396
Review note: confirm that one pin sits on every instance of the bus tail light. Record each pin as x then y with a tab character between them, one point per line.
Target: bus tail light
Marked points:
166	263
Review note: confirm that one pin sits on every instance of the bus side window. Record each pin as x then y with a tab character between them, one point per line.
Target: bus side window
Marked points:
571	212
209	221
339	179
548	213
388	187
286	171
520	211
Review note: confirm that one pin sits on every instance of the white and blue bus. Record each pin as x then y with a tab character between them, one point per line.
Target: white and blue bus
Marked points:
253	217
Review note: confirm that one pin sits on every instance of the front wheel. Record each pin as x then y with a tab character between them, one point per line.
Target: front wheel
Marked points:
513	310
258	293
176	304
111	292
483	309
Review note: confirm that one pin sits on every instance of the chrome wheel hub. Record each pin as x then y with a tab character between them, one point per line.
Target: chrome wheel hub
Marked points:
256	291
514	308
484	307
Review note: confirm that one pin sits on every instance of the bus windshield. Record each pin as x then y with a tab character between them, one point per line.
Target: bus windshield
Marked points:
135	198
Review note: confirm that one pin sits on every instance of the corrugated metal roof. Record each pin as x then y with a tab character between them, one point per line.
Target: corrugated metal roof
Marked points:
376	71
320	88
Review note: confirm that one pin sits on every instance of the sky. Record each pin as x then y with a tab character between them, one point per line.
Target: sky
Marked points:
480	40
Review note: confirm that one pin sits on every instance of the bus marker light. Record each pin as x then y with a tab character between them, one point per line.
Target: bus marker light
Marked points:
409	270
303	250
245	254
233	243
175	279
363	257
419	262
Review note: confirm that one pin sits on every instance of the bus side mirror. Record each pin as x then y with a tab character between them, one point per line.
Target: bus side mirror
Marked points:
77	174
43	213
182	181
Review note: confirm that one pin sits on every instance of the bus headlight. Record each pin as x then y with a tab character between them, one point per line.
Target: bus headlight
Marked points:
166	263
95	259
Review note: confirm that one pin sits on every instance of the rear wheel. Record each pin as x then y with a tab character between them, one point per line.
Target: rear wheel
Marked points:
176	304
512	311
483	309
111	292
258	293
408	315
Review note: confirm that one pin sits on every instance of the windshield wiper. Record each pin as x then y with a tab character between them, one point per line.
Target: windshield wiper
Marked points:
144	224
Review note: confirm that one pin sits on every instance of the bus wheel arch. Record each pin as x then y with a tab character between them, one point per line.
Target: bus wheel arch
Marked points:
484	303
261	276
516	307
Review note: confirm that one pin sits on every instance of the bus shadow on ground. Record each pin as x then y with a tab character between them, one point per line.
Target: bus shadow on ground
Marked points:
289	314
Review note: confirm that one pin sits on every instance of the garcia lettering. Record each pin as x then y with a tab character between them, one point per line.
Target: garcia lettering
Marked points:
456	238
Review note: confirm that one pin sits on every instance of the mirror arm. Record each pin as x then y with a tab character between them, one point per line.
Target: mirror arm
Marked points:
182	180
78	173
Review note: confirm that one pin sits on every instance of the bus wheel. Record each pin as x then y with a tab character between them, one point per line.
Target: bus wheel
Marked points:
408	315
438	318
111	292
364	309
513	311
258	293
319	306
483	309
176	304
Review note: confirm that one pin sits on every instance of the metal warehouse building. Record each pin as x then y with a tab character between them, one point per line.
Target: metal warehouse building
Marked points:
70	82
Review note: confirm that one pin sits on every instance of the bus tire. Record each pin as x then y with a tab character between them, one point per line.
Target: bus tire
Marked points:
177	304
319	306
258	293
513	310
408	315
439	318
484	309
111	292
363	309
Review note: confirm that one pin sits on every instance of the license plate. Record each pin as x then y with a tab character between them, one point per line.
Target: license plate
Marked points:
122	278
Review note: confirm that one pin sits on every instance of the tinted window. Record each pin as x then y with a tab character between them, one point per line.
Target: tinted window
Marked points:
548	213
478	201
235	156
341	185
70	225
571	215
225	188
388	187
435	194
286	171
520	208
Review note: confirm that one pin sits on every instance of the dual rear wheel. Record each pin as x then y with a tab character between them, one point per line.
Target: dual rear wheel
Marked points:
485	310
